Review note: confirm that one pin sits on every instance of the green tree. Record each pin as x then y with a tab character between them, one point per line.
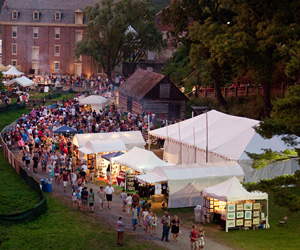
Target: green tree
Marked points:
119	31
1	78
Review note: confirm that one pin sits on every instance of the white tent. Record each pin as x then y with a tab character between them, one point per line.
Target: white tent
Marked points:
94	147
22	81
187	181
140	160
228	139
233	190
96	101
129	138
12	72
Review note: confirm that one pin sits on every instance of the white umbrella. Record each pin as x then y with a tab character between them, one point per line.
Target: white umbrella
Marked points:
93	100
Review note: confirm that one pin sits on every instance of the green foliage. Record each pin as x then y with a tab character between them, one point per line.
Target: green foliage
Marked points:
269	157
285	198
119	30
1	78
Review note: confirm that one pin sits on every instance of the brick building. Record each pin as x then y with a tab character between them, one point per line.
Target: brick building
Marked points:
40	36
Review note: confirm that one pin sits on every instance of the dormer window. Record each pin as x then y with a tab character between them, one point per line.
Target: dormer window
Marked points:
15	14
78	17
57	16
36	15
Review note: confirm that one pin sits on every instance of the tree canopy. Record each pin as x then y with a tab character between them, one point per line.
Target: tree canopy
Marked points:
118	31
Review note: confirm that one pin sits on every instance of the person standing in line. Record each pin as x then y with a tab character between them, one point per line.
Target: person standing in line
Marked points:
175	228
165	220
109	192
193	238
91	200
84	199
134	218
123	199
101	195
120	231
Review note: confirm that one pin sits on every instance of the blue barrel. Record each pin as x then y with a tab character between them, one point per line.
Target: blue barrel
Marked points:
48	186
43	182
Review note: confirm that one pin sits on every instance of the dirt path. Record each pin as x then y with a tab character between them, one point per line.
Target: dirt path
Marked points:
112	215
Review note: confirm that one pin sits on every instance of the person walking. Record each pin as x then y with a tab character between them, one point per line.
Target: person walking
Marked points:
201	239
154	223
84	199
193	238
120	231
128	203
165	220
175	228
123	199
65	177
134	218
91	200
109	192
74	198
101	195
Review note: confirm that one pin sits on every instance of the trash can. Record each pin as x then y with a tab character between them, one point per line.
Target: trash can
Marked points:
197	212
43	183
48	186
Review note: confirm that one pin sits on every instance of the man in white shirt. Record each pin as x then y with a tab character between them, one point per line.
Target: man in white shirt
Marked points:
109	192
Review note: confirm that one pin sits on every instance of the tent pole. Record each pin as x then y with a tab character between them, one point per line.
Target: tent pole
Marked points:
195	144
206	137
149	144
192	114
267	218
180	152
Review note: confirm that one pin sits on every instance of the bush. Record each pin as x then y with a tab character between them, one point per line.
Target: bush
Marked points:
285	198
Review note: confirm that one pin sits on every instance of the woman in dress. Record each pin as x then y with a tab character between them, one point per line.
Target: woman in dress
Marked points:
91	199
101	195
175	228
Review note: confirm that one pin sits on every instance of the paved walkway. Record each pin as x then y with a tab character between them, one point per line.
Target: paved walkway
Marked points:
112	215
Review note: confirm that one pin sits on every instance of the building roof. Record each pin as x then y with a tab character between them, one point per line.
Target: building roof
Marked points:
140	83
46	8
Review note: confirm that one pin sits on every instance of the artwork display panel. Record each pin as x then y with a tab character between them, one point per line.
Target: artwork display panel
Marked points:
240	214
248	215
239	222
230	216
247	206
231	223
248	223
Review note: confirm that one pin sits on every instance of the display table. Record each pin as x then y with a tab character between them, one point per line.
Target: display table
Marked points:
157	197
120	180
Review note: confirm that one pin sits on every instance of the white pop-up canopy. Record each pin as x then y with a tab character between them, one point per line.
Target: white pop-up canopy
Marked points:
96	101
129	138
187	181
22	81
94	147
229	137
12	72
140	160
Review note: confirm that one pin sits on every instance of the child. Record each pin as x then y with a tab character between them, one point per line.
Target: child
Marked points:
193	238
201	238
74	198
154	223
120	231
134	217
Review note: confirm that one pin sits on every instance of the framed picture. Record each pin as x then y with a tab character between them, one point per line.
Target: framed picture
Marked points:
256	213
240	214
247	206
256	221
256	206
231	223
248	223
239	207
230	216
248	215
231	207
239	222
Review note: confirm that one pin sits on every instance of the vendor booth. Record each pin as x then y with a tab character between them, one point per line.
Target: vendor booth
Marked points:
234	207
23	81
12	72
185	182
96	101
226	138
137	161
92	147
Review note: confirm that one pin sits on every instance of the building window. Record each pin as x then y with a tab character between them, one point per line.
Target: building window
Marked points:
14	31
79	35
14	49
57	34
164	90
100	69
35	66
14	14
56	67
57	16
56	50
35	53
35	33
78	17
14	63
36	15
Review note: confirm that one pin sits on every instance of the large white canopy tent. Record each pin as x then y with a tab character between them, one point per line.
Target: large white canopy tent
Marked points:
140	160
228	139
96	101
233	190
185	182
94	147
129	138
22	81
12	72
